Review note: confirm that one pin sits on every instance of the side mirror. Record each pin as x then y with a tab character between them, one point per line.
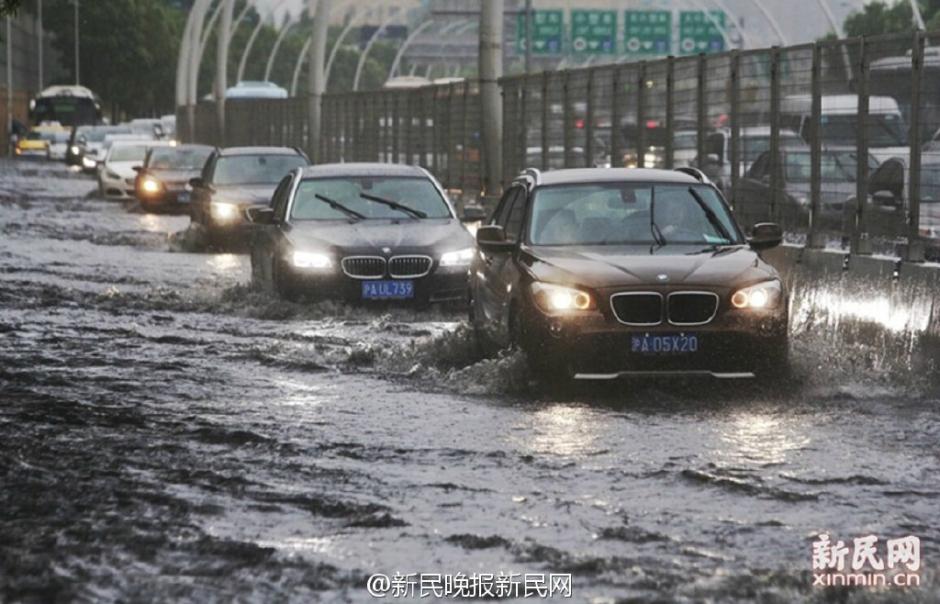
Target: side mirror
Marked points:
885	201
765	235
712	158
473	214
492	238
260	215
196	182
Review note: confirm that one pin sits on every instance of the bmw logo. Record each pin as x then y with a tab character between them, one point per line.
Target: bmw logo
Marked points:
662	277
386	250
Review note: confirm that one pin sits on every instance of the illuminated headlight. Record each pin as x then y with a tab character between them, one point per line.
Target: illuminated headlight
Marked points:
311	260
224	212
762	295
75	150
150	185
89	162
557	298
457	258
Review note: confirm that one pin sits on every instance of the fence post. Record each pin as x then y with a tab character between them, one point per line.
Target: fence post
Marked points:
616	149
641	117
700	111
589	121
545	120
670	112
815	239
449	145
915	248
774	129
734	150
566	116
523	158
464	135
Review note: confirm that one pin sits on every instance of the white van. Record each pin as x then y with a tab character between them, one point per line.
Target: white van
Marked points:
886	132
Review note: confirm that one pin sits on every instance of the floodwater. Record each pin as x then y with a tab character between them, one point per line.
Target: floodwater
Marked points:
169	434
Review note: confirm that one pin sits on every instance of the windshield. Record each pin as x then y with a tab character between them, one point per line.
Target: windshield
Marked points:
620	214
128	153
174	158
261	169
833	167
414	192
884	130
96	135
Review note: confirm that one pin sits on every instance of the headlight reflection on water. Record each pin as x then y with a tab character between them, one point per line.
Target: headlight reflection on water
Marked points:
225	263
563	429
761	438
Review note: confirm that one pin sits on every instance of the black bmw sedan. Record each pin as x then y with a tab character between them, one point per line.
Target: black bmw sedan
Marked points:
163	180
361	232
602	273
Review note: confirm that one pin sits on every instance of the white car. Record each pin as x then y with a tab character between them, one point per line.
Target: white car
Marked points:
116	175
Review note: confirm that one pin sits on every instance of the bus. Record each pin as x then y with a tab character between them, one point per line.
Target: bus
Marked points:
67	105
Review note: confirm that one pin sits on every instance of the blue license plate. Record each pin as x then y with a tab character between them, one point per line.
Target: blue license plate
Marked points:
183	197
667	343
388	289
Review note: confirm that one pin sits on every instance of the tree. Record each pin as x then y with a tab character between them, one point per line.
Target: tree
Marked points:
9	7
128	50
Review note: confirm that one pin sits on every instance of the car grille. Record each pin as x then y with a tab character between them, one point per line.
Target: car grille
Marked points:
638	308
691	308
409	266
364	267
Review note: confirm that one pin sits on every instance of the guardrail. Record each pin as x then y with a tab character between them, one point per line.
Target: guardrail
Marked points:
795	135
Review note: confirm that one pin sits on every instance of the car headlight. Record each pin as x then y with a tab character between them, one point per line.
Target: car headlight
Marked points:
150	185
558	298
457	258
762	295
89	162
311	260
75	150
224	212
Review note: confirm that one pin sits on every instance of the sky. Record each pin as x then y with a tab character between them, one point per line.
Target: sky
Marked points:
799	20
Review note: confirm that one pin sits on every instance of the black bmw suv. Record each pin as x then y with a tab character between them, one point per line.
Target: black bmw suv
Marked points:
602	273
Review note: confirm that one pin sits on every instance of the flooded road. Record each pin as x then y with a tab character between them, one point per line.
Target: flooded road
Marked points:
169	434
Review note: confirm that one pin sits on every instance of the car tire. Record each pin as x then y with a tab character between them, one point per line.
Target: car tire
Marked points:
546	367
284	284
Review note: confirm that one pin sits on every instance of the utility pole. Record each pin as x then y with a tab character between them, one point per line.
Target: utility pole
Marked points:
78	79
528	36
39	37
9	86
320	11
491	69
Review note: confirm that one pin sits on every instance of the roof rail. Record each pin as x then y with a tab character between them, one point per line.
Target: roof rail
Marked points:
534	173
694	173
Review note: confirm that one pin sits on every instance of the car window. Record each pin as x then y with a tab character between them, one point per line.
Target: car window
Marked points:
281	195
514	216
888	177
503	208
629	213
254	169
759	167
416	193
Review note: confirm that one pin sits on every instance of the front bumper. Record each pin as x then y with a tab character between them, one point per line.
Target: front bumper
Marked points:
594	345
117	188
438	286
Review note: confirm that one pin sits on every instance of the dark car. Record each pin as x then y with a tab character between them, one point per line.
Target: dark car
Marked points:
838	171
601	273
233	180
163	179
362	232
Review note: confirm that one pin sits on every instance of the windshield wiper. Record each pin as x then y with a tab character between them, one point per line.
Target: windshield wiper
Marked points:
394	205
338	206
710	214
654	228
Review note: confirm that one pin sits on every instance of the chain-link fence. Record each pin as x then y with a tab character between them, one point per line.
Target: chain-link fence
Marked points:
834	140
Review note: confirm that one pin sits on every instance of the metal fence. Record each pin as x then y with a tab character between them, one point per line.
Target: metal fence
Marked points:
795	135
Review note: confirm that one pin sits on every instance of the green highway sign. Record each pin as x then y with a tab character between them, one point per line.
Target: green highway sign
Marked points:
647	32
698	32
594	31
547	32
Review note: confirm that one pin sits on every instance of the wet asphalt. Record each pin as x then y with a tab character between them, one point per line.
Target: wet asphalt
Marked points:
168	434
